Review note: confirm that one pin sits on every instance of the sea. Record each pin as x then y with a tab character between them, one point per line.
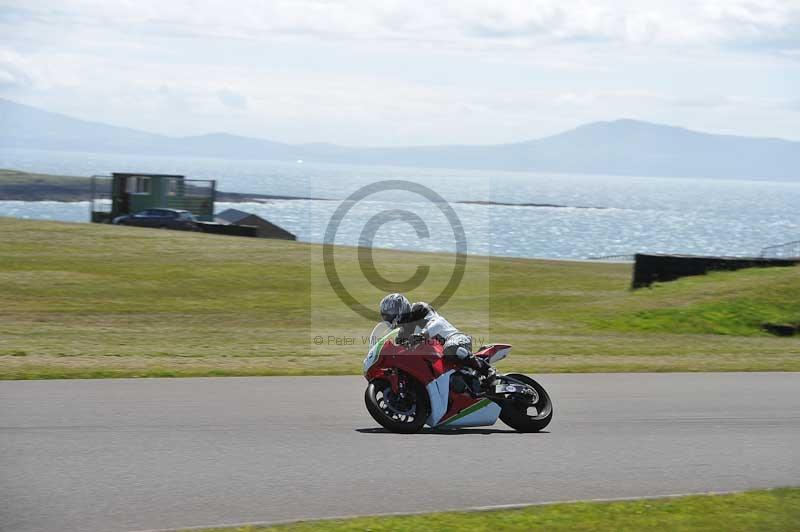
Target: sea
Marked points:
588	217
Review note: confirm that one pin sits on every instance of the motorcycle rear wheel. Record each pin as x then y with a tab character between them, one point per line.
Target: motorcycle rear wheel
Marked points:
515	413
403	415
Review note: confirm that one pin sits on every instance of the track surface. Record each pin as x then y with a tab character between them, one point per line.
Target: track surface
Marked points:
117	455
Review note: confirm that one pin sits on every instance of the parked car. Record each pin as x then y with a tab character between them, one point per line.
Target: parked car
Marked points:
160	218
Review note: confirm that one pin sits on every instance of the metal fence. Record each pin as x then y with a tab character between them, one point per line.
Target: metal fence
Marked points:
193	195
100	201
787	250
615	258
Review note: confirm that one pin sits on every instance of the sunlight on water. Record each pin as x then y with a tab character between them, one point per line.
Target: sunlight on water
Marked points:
629	214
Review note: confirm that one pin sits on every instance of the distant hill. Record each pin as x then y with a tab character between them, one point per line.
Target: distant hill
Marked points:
620	147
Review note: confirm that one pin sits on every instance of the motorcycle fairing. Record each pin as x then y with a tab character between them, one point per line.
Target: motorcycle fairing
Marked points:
375	350
427	364
463	412
484	412
438	393
494	352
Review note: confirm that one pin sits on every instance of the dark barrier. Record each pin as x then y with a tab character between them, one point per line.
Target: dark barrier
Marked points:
99	217
652	268
224	229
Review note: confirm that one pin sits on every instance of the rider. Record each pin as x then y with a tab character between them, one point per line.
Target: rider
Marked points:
421	322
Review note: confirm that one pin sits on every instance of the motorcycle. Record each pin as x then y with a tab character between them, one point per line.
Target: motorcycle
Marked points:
412	384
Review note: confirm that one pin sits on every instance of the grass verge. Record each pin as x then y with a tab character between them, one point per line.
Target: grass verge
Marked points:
765	511
85	300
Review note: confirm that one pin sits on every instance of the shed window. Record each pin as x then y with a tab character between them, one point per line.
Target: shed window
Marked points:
138	185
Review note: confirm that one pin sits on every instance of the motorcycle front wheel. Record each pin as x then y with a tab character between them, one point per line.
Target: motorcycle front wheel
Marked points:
404	413
522	415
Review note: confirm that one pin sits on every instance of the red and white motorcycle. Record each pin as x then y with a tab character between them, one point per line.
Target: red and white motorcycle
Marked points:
413	384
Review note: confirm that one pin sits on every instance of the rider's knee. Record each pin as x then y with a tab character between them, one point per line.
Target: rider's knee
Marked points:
463	353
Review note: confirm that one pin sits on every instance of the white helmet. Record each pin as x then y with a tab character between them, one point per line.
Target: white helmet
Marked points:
394	307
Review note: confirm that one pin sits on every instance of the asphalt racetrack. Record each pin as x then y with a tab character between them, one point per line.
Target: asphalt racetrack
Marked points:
122	455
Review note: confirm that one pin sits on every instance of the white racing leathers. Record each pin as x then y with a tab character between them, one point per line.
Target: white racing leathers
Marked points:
426	321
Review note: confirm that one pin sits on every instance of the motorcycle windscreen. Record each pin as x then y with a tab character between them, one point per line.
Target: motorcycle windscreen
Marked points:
380	330
376	343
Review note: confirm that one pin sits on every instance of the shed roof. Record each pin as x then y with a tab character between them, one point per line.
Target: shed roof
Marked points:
139	174
266	229
232	215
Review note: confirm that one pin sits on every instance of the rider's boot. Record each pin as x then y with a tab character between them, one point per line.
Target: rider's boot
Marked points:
478	364
484	371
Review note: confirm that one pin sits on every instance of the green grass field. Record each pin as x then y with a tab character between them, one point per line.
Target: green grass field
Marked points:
765	511
81	300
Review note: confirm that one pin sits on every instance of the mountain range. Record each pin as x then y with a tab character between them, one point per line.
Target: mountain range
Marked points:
619	147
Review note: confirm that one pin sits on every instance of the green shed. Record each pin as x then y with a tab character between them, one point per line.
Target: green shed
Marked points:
127	193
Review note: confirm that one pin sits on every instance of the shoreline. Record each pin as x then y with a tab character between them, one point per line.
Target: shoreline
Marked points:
539	205
16	185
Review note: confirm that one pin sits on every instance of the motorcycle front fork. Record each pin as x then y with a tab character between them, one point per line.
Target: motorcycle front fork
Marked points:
394	381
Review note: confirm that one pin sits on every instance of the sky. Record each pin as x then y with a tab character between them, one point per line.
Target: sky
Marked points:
387	73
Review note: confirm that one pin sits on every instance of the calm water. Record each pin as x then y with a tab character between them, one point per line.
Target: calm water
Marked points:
697	216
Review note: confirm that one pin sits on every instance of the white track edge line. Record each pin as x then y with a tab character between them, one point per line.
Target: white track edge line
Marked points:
513	506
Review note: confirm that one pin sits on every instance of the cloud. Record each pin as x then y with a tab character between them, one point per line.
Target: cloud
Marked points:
767	23
14	71
464	23
398	72
232	99
791	104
